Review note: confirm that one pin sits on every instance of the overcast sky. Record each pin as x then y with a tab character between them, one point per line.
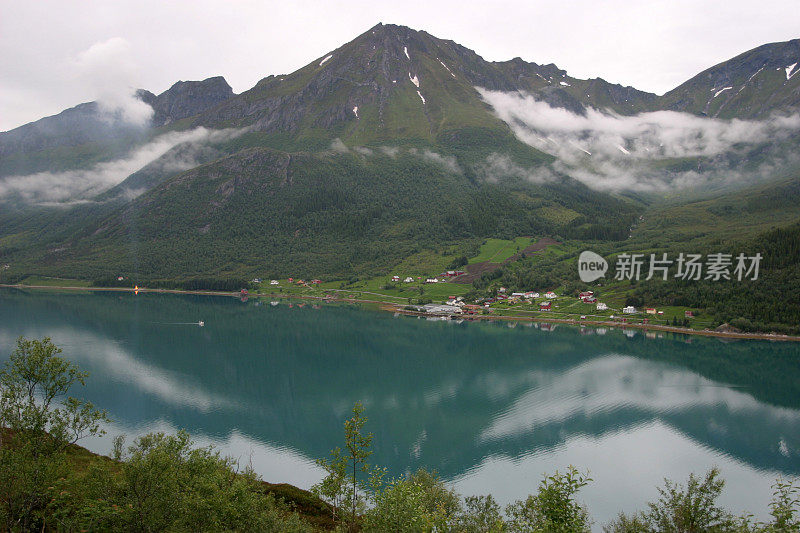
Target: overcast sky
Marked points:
56	54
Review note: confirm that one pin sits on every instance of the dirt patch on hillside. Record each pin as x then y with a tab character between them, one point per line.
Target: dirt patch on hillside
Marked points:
476	270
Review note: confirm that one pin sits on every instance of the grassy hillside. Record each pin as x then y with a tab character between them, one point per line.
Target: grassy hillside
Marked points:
272	213
762	219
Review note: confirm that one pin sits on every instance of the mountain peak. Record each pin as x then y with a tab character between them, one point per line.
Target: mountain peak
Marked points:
186	98
750	85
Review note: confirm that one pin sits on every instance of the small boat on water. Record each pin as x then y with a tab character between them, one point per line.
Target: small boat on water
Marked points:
201	323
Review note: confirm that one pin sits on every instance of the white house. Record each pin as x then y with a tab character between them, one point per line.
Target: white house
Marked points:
431	280
409	279
273	282
630	310
550	295
601	306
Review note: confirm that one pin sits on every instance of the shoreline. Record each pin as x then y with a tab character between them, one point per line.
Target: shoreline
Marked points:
398	308
620	325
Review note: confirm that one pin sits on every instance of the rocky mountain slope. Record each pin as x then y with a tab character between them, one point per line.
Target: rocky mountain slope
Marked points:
186	99
750	85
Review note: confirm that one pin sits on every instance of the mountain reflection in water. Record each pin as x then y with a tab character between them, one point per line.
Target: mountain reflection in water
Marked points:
489	407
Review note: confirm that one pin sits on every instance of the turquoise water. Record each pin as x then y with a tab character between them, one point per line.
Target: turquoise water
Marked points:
489	406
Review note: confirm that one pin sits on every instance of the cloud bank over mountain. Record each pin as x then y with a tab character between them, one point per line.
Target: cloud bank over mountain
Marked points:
76	186
613	152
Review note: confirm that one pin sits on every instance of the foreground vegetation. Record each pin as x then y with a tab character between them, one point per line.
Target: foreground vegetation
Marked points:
165	483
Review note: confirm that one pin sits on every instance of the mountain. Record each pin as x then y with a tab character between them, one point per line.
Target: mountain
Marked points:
394	82
750	85
186	99
88	133
380	150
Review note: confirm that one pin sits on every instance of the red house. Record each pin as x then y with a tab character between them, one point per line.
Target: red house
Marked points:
544	306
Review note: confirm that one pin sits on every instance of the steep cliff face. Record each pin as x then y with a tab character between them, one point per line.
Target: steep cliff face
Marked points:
186	99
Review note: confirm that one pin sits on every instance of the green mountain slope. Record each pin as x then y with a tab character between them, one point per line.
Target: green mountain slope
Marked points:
268	212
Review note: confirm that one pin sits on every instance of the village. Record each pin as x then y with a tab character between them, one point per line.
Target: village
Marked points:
502	302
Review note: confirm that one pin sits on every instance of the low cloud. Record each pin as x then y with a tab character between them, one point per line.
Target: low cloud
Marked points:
337	145
613	152
391	151
76	186
501	166
109	68
446	162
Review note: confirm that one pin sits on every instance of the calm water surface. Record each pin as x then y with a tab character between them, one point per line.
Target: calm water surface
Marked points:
490	407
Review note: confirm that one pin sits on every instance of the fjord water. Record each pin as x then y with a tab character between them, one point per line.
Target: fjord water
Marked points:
491	407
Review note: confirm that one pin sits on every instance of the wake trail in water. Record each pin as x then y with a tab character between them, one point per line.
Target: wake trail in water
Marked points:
200	323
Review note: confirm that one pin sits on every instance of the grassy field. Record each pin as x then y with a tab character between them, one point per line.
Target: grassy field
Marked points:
498	250
378	289
55	282
567	307
430	262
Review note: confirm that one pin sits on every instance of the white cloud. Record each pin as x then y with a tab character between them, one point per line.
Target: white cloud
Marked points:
110	69
391	151
76	186
499	166
337	145
446	162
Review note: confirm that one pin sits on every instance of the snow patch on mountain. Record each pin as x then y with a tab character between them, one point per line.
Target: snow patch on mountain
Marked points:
789	70
326	59
445	66
414	79
405	51
576	145
565	84
421	97
355	111
721	91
